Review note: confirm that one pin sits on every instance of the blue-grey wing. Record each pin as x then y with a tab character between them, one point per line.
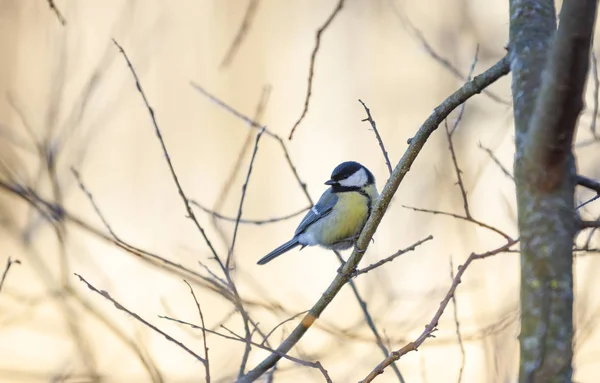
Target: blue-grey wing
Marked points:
323	207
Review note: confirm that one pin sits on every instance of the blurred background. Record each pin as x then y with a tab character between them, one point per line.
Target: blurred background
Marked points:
69	102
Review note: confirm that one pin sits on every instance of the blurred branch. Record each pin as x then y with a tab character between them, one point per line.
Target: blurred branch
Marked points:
445	63
313	57
257	222
9	263
441	112
431	327
256	125
595	95
241	33
391	257
226	188
379	140
57	12
120	307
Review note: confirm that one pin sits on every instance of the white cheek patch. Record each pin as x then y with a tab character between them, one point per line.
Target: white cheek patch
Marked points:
357	179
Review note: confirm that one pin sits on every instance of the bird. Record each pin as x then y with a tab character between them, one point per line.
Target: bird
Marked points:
340	214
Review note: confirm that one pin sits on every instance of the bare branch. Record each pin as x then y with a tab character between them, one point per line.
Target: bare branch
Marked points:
239	338
9	263
281	324
458	172
469	89
313	57
244	188
379	140
371	322
90	197
497	162
120	307
461	112
392	257
206	360
468	219
431	327
245	316
457	324
186	203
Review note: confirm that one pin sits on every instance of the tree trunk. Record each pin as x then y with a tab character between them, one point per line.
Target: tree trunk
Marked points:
549	74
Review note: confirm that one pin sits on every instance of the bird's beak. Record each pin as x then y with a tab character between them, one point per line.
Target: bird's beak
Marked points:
330	182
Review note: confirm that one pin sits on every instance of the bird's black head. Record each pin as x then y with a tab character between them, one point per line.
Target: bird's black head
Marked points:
350	175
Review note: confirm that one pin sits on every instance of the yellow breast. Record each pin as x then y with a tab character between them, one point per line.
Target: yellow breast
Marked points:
348	218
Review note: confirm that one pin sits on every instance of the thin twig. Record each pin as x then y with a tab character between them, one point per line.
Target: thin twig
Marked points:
266	338
206	360
239	338
445	63
241	33
392	257
256	125
468	219
597	196
416	144
458	172
237	166
242	198
234	293
120	307
461	111
9	263
457	324
313	57
90	197
230	253
186	203
497	162
257	222
371	322
379	140
431	327
59	16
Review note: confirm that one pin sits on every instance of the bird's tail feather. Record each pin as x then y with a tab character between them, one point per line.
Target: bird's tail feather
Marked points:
278	251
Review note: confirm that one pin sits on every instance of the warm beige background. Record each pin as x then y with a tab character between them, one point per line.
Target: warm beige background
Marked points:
104	130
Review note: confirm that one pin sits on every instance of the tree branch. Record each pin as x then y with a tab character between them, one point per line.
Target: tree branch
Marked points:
416	143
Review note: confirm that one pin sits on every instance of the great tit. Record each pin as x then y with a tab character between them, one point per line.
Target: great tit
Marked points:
340	214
